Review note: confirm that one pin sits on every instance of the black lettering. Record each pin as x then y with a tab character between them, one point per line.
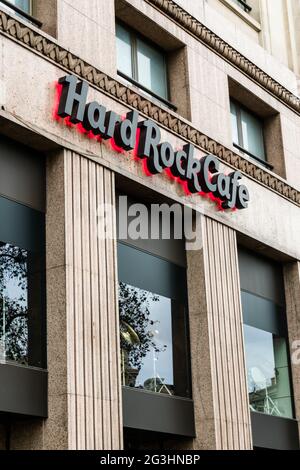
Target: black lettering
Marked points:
125	132
234	185
148	145
192	170
178	168
222	186
242	197
73	98
210	166
111	119
94	118
166	155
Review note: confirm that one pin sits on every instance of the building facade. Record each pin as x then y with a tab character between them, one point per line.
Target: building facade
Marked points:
111	341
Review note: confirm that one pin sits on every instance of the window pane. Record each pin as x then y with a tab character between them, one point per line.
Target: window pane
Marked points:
146	339
152	69
13	304
234	124
252	134
22	284
124	60
23	4
268	373
153	324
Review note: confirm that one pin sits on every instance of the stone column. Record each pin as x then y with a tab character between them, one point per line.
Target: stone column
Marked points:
85	402
217	347
292	294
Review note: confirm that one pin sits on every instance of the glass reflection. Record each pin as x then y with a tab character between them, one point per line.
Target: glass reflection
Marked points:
13	304
124	51
146	340
268	373
151	69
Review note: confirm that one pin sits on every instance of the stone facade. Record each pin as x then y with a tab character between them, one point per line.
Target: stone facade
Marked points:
211	56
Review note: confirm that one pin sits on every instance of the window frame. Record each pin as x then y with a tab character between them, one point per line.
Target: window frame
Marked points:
179	276
244	5
240	145
23	14
275	319
134	36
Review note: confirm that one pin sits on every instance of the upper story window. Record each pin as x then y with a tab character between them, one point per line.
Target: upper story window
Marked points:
24	5
153	309
141	62
244	5
22	256
265	336
23	9
248	132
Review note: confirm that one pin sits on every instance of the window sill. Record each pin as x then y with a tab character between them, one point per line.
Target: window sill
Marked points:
244	153
23	390
155	412
274	432
146	92
243	15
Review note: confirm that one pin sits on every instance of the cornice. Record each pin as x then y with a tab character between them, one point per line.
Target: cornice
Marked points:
42	45
185	20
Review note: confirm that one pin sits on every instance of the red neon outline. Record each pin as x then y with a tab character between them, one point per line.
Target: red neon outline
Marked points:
58	91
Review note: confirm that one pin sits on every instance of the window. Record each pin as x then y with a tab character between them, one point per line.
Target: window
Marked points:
153	323
24	10
141	62
244	5
22	255
21	285
24	5
266	337
268	372
247	132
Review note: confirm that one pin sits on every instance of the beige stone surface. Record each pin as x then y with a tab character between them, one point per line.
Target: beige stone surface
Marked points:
292	292
46	12
89	31
32	102
217	351
76	355
269	48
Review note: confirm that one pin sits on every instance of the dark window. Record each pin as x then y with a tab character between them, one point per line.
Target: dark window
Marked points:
18	6
266	337
23	9
247	132
153	323
141	62
24	5
21	285
244	4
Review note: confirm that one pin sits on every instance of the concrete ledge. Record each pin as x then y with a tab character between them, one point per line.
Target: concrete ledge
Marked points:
158	412
23	390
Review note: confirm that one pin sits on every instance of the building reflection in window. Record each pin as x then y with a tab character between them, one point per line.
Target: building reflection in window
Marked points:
268	373
13	304
153	323
146	340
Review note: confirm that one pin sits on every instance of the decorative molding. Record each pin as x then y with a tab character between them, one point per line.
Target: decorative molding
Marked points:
43	46
185	20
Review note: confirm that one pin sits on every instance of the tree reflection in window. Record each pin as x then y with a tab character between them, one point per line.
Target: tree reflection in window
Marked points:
13	304
146	340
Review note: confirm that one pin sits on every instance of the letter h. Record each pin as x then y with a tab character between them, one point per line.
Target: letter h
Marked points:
73	98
